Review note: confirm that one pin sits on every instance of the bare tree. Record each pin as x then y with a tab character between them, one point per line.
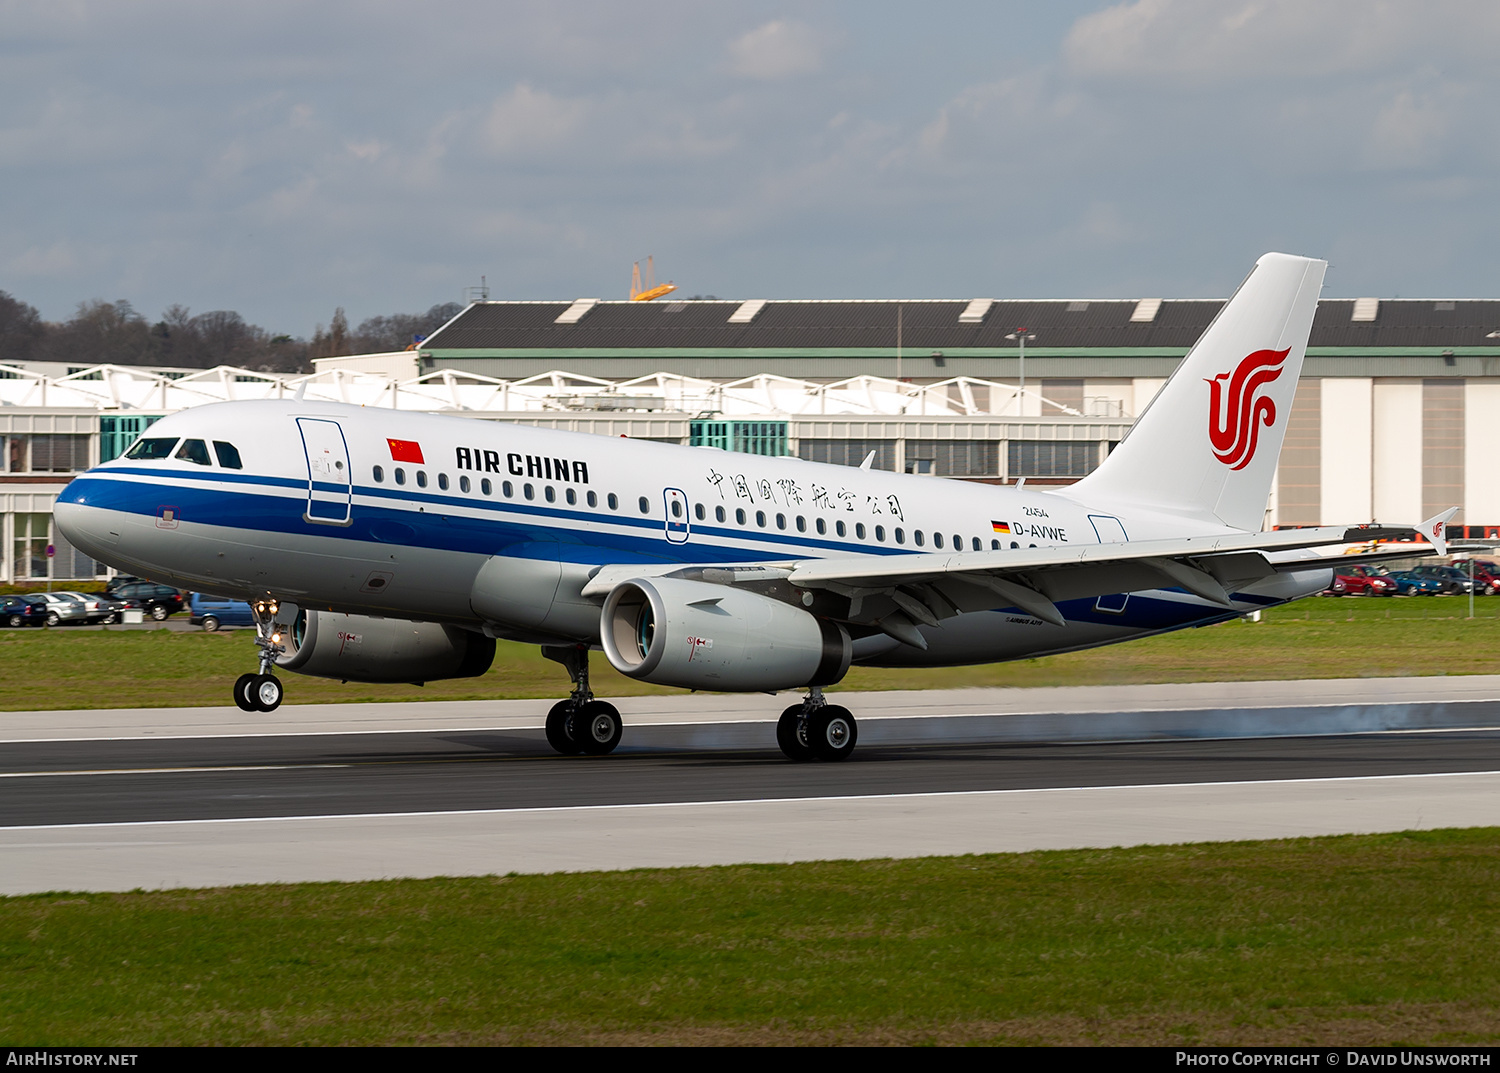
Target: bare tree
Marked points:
21	329
100	333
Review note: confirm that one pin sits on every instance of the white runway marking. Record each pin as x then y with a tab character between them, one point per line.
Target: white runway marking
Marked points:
163	771
161	855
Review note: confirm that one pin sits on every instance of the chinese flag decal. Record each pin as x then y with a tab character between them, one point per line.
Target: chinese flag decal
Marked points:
406	451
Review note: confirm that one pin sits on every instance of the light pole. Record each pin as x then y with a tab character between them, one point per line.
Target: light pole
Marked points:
1020	336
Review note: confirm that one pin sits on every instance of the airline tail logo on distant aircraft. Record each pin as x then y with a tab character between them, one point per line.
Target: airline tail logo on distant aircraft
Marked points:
1235	417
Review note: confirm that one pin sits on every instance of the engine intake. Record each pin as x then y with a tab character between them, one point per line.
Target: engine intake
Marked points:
703	636
362	648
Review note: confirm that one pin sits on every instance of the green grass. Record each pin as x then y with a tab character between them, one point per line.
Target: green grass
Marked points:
1316	638
1358	939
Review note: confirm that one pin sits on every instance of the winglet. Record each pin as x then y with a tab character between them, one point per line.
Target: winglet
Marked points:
1435	528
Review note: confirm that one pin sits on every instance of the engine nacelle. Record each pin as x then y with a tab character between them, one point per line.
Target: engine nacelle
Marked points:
703	636
362	648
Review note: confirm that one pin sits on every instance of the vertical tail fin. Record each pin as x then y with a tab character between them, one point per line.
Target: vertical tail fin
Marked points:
1206	447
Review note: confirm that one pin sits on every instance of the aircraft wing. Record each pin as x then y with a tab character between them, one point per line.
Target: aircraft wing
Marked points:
896	593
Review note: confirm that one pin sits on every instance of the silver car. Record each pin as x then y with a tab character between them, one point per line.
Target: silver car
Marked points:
61	609
96	608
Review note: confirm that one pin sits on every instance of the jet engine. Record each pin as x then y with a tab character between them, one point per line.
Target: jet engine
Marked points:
699	635
362	648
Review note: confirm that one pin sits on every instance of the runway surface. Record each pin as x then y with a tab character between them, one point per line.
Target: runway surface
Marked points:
92	800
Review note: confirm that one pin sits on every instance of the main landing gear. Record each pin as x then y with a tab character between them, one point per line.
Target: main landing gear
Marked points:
816	730
581	724
262	692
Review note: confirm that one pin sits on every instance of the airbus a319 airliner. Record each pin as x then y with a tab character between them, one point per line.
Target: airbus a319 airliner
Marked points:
396	547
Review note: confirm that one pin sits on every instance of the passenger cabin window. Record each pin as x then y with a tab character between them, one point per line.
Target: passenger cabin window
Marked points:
443	481
400	475
593	500
550	493
572	497
719	513
485	487
152	450
379	475
463	484
645	505
229	455
194	451
614	501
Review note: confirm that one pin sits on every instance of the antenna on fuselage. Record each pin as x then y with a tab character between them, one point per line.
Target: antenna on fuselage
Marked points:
868	459
301	390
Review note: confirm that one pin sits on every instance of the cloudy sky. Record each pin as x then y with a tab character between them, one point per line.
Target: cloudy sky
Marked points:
285	158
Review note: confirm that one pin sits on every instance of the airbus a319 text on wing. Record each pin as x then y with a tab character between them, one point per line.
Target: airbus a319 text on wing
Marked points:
384	546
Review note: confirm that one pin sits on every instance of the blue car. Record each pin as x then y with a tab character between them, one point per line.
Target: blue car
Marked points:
215	611
1410	583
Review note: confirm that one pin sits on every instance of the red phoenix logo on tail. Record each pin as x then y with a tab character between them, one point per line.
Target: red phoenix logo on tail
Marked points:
1234	421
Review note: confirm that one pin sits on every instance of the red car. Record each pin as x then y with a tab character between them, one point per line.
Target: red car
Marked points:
1360	581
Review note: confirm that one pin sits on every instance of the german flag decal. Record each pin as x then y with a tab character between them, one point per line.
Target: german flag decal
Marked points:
1000	527
406	451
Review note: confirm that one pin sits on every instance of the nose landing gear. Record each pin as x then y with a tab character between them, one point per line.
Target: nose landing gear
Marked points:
262	692
816	730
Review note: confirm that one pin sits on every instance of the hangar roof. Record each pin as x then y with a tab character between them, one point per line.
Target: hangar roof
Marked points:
938	325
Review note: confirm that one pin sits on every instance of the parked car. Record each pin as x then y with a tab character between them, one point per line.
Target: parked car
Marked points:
60	609
1360	581
1409	583
22	611
99	607
1455	582
215	611
1486	575
158	601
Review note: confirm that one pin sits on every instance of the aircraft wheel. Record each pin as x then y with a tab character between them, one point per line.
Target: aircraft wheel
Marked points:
831	732
598	727
791	734
242	686
266	692
560	729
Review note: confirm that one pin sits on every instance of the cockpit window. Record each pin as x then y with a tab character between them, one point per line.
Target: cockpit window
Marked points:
229	455
152	450
195	451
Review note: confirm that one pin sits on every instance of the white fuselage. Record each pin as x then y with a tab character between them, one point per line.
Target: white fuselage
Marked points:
498	526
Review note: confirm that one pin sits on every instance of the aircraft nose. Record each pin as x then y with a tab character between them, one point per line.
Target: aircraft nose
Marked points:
82	522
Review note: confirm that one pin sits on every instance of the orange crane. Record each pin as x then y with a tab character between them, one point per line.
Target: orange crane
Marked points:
650	290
